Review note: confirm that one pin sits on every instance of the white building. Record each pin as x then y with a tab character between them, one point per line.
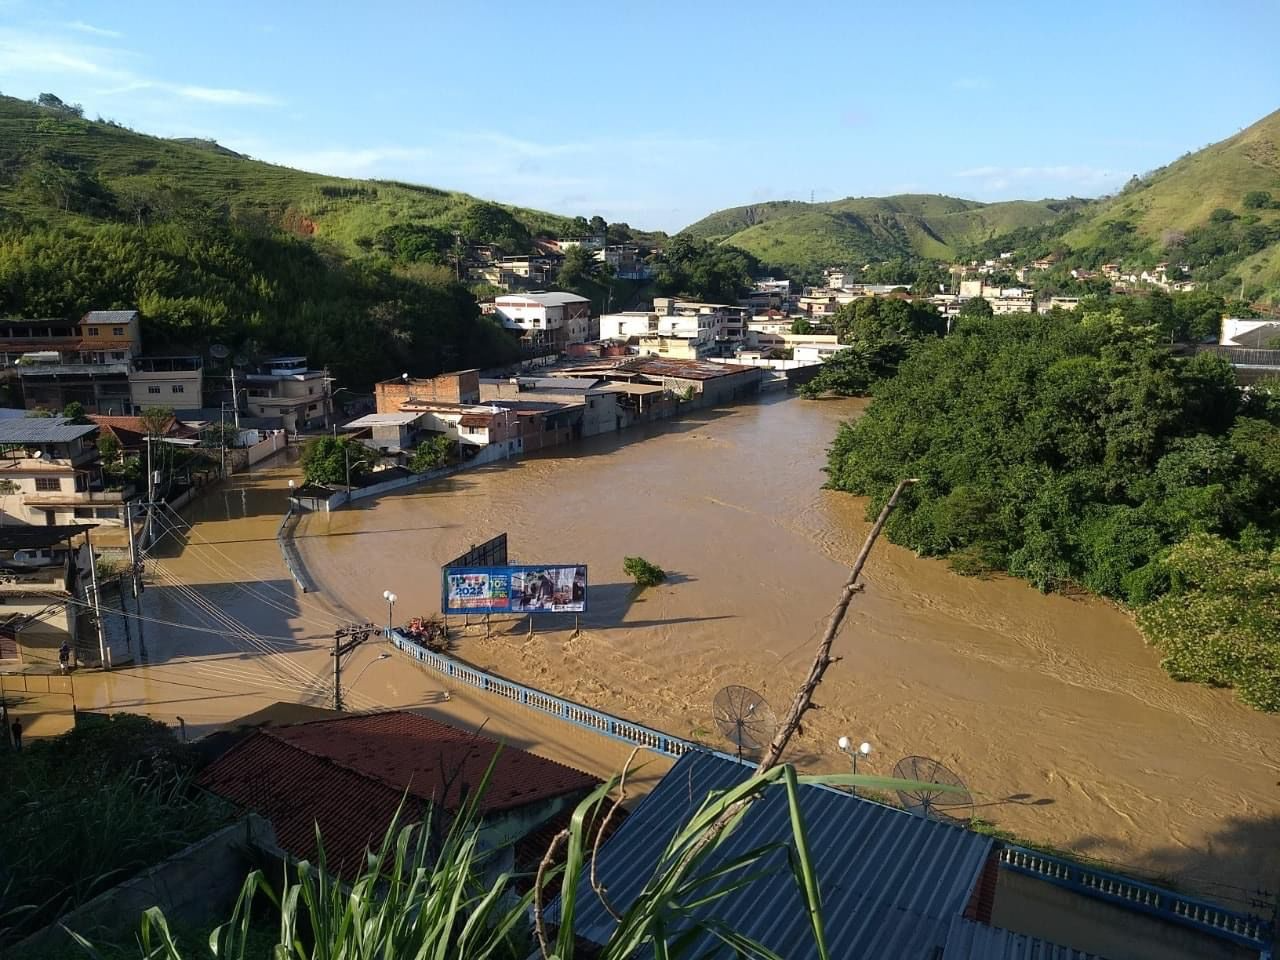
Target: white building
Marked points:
546	319
54	474
1248	332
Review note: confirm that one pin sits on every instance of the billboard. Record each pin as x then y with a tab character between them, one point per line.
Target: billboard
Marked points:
491	553
527	588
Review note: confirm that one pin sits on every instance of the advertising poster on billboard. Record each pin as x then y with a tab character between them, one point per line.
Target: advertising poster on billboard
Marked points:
529	588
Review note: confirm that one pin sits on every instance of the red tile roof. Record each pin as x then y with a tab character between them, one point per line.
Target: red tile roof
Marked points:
347	777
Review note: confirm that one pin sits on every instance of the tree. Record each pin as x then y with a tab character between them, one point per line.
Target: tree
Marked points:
801	326
644	573
598	226
326	460
975	308
1257	200
156	420
1221	215
74	411
431	454
109	449
579	265
7	489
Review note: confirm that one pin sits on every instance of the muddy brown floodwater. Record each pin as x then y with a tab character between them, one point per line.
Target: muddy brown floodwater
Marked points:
1053	710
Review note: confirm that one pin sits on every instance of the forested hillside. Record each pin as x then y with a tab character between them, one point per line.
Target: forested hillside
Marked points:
212	246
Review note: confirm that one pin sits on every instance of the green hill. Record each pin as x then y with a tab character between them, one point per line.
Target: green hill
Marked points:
1194	210
856	230
56	167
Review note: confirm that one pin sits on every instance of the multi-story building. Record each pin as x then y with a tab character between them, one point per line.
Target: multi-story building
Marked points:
174	382
41	594
626	261
286	388
546	319
85	361
54	474
460	386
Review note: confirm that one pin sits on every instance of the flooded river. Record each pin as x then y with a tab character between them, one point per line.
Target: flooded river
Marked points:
1051	709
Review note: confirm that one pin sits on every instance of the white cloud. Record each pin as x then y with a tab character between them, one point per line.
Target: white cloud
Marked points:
995	178
26	55
224	96
82	27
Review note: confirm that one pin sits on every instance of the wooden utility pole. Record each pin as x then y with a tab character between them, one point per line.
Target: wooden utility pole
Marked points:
97	606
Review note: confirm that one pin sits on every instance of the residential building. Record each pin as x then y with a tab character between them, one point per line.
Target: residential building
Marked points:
389	433
626	261
131	433
1249	332
568	243
1018	304
173	382
546	319
286	388
349	778
1063	303
809	353
600	412
41	594
460	386
480	430
702	381
55	467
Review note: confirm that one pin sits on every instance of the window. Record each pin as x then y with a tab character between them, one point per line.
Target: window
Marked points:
48	484
117	331
153	389
84	513
93	331
108	513
178	388
117	354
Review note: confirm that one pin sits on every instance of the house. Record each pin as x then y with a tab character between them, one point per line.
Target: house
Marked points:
286	388
896	886
1063	303
173	382
390	433
41	594
54	467
460	386
810	353
483	432
1013	304
545	320
626	261
131	432
85	361
1259	334
347	777
600	412
700	380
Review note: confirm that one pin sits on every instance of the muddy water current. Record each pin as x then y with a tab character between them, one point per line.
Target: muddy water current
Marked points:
1051	709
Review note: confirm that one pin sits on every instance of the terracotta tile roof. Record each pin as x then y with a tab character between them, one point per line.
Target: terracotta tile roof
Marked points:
347	777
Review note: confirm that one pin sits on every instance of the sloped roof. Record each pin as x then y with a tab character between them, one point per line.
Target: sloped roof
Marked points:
890	883
348	776
110	316
545	299
42	430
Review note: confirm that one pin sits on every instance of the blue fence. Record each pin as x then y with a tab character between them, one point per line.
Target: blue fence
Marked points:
1133	894
576	713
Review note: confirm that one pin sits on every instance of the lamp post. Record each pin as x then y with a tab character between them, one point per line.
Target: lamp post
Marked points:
391	598
346	458
846	747
382	656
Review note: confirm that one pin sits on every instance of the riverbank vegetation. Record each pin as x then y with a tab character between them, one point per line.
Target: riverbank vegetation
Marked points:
878	332
1082	451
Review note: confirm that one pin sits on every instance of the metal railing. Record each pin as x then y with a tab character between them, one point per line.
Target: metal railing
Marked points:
578	714
1165	904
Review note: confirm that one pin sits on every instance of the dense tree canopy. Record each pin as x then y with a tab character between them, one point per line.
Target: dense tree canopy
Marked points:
705	271
254	289
1067	449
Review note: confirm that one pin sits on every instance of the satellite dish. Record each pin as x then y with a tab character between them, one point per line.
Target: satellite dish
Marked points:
219	352
744	718
926	803
239	361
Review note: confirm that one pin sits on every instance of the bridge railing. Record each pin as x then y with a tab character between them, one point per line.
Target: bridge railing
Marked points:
589	718
1245	929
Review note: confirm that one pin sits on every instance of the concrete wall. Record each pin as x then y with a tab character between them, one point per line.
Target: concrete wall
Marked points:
1038	908
198	884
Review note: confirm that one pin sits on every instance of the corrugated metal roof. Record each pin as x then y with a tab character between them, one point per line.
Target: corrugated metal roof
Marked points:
891	883
682	369
970	940
110	316
384	420
42	430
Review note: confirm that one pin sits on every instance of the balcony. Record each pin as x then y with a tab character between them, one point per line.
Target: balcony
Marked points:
79	498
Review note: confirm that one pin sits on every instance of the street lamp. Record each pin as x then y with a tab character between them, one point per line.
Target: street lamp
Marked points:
346	458
391	598
382	656
846	747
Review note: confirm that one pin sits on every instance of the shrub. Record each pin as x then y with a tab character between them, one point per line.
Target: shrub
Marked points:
644	573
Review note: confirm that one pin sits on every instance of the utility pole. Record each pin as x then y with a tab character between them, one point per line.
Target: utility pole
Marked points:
222	436
235	397
97	607
344	641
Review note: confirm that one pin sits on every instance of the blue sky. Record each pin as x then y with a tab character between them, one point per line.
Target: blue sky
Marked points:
658	113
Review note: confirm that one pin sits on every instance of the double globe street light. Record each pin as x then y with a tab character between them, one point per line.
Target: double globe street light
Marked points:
391	599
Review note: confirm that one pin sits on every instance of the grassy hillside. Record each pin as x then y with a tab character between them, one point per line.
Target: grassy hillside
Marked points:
860	229
1170	213
47	159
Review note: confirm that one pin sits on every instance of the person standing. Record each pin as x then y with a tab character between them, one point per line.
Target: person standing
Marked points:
64	656
16	730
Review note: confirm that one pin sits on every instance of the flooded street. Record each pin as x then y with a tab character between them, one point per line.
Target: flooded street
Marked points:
1052	710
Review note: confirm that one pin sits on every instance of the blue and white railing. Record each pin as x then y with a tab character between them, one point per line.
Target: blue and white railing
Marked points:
576	713
1245	929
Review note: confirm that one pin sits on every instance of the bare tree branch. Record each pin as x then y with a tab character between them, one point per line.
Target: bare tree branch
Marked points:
539	908
596	885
